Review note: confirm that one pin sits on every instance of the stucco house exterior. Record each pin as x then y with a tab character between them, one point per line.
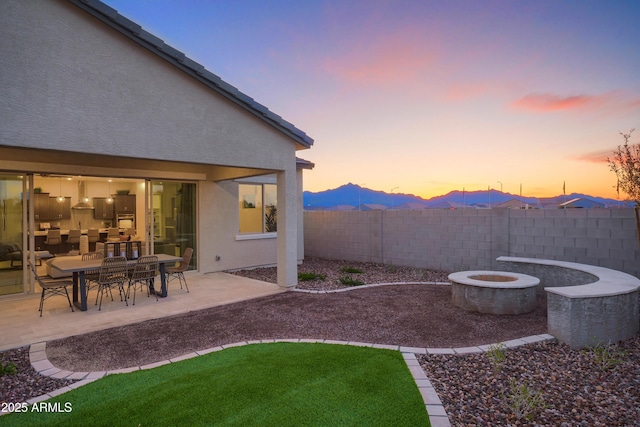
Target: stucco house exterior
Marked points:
93	106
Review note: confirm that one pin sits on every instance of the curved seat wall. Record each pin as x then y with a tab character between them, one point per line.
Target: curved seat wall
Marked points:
586	305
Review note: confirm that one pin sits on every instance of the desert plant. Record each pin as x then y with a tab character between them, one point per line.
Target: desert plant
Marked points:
8	369
626	165
305	277
352	270
497	355
391	268
271	219
606	356
350	281
523	401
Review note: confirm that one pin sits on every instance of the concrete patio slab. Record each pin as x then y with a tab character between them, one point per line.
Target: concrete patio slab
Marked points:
20	324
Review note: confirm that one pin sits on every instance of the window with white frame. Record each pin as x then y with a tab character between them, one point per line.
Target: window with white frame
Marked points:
258	208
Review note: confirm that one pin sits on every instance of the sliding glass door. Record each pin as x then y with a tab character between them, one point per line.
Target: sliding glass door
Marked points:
174	218
11	276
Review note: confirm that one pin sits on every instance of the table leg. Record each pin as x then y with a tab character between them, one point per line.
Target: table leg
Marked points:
75	288
80	282
163	283
83	291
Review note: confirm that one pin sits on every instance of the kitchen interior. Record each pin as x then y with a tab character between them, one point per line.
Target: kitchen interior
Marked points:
70	202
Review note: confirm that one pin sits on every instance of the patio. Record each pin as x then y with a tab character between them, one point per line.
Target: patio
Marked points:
20	324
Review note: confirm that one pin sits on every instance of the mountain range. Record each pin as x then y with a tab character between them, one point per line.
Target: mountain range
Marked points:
350	196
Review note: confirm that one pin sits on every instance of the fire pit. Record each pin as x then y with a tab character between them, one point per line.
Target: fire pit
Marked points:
494	292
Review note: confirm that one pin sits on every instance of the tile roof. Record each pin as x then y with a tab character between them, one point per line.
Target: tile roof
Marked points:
154	44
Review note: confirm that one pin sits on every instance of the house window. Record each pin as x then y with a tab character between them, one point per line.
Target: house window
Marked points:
258	212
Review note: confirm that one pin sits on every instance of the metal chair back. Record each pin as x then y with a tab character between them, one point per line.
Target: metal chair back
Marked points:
113	270
51	287
146	268
92	275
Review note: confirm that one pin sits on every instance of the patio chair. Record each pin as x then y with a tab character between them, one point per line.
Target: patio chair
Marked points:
144	272
178	272
91	276
51	287
113	273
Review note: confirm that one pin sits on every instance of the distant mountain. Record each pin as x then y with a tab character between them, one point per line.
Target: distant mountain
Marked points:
355	195
352	195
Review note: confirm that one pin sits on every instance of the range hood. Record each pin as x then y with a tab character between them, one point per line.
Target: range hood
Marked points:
83	200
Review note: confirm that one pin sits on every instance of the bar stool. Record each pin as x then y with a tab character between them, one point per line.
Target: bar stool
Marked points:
53	239
74	239
94	235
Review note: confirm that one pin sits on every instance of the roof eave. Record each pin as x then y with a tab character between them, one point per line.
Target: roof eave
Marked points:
134	32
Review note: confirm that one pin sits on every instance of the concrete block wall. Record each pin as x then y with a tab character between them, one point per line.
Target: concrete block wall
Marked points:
463	239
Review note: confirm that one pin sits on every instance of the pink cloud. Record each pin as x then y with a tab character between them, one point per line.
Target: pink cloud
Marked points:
546	102
610	103
595	156
390	61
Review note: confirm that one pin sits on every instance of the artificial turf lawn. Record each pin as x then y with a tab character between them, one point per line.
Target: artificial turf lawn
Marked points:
279	384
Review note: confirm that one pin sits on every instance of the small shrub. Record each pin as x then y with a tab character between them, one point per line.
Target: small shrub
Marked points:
305	277
8	369
391	268
606	356
497	354
523	401
351	270
350	281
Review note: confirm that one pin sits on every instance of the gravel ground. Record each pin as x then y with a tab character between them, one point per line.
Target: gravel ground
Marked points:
26	383
575	388
334	270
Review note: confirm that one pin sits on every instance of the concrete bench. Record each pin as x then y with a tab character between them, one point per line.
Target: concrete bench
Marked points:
586	305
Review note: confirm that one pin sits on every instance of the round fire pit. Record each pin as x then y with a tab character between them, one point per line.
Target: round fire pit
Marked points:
494	292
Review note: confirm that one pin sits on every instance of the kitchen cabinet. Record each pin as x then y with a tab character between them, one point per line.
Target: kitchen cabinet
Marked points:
59	210
103	210
41	206
125	203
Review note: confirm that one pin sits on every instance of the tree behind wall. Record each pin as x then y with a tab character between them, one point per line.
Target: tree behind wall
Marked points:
626	165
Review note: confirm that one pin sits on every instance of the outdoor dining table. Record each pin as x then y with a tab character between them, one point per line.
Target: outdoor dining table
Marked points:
78	268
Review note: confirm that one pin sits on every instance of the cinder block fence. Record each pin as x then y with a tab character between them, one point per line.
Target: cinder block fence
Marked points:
465	239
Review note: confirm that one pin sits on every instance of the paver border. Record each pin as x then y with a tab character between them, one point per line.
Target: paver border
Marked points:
433	405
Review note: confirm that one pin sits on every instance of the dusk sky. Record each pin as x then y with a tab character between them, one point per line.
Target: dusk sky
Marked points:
425	97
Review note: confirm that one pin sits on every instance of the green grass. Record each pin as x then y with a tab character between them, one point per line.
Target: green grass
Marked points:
280	384
304	277
351	270
350	281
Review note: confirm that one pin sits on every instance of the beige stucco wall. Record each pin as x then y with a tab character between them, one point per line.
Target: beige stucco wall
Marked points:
219	225
69	82
73	83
